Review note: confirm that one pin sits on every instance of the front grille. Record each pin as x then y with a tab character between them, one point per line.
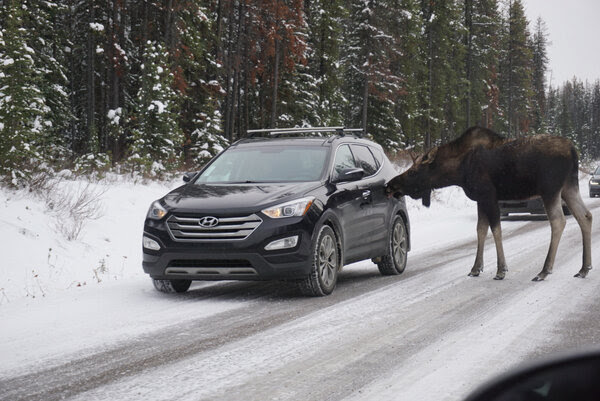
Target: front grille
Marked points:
186	228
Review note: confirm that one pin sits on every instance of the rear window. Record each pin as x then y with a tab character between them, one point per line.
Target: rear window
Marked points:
365	159
378	156
249	164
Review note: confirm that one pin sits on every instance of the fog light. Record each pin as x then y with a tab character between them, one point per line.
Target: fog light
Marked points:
283	243
149	243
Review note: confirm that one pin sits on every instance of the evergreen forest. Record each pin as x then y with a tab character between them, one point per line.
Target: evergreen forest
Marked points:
154	86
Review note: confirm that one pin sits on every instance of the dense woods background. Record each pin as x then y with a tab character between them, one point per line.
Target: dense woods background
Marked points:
154	85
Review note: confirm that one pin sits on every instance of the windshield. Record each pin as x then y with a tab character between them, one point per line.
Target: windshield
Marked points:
597	171
266	164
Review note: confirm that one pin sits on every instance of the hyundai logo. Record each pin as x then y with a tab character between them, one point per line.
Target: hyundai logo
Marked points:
208	222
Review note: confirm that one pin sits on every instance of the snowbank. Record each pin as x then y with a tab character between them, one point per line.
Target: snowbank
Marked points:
38	255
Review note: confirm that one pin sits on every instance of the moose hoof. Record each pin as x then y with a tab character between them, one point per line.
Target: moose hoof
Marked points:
499	277
476	274
538	278
583	272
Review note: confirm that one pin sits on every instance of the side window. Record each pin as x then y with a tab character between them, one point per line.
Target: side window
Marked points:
365	159
378	156
343	159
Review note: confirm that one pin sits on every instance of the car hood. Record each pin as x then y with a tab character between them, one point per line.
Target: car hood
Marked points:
236	198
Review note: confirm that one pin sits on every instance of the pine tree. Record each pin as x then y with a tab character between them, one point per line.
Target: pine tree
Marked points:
594	140
48	41
540	66
372	81
410	66
297	93
157	137
445	52
325	20
516	72
24	118
552	110
195	82
482	23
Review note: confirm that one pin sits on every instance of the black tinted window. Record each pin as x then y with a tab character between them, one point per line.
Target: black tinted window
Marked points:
365	159
378	156
343	159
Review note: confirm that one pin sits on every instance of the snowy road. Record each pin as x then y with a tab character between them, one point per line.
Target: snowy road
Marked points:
430	334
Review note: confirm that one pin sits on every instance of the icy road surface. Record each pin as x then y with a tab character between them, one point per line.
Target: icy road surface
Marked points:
431	333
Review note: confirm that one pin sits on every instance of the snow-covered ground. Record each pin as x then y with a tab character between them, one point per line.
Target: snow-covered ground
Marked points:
61	300
38	258
40	261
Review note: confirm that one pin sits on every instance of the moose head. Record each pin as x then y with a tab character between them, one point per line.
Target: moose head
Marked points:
416	182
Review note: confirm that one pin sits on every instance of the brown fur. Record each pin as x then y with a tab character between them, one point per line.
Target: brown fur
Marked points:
490	168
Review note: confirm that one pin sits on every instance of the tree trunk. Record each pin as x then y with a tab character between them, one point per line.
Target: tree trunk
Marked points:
469	25
91	93
275	86
365	105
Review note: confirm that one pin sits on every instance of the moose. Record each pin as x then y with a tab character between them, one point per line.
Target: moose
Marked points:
490	168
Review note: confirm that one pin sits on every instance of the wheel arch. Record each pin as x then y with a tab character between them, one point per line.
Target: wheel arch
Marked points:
403	213
330	219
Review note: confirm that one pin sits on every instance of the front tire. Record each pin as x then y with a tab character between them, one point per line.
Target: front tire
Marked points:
325	265
171	286
394	261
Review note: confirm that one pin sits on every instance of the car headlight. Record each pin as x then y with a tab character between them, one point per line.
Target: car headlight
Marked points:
297	207
156	211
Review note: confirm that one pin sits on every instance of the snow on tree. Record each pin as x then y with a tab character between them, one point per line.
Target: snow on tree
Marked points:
325	20
516	73
540	60
24	118
372	85
157	139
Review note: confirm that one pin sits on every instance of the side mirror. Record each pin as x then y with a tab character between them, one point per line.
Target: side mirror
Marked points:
187	177
350	174
570	377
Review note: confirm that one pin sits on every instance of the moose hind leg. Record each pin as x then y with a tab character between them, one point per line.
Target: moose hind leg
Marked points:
557	221
583	216
482	229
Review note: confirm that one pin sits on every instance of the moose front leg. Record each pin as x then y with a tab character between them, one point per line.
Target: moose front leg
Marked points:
492	212
482	230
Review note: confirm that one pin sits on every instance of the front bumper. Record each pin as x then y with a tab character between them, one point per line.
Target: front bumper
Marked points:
234	259
594	189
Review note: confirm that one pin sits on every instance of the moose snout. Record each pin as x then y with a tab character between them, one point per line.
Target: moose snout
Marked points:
390	190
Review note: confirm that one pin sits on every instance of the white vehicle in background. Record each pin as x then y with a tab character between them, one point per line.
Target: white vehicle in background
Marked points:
594	183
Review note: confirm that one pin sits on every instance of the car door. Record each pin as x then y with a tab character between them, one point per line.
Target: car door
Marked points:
351	203
374	229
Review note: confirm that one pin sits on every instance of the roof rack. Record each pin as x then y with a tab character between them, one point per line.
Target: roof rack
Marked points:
306	130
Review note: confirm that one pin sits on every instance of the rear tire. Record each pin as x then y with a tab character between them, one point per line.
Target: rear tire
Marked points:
171	286
325	265
394	261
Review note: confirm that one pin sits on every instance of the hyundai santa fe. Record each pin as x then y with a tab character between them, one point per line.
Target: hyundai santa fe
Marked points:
286	204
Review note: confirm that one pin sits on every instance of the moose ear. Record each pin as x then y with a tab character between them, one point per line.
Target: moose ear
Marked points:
430	156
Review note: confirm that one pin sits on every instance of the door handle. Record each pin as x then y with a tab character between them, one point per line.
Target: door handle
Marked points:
366	194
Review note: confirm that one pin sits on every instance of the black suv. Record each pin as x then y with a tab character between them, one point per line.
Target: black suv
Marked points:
298	204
